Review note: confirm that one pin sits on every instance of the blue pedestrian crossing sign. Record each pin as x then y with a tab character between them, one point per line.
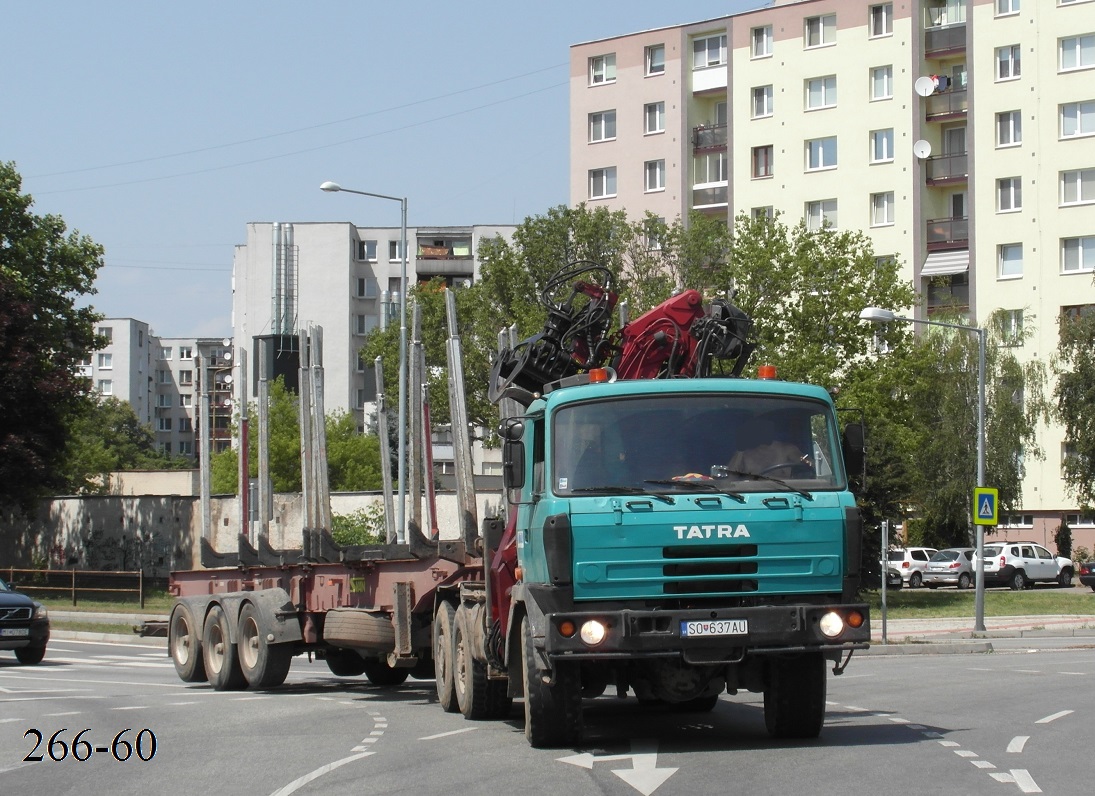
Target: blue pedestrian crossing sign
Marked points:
986	502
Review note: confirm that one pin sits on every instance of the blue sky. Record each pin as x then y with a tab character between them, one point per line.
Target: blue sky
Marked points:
161	129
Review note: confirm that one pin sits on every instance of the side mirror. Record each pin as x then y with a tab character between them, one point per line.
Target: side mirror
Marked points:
513	464
854	448
512	430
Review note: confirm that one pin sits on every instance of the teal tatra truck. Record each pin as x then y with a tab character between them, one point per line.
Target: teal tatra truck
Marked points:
672	533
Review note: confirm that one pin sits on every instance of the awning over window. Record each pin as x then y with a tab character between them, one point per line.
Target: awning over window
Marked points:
944	263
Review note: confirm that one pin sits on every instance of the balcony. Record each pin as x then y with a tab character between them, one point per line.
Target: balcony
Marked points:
939	41
948	293
947	105
710	137
710	196
948	233
947	169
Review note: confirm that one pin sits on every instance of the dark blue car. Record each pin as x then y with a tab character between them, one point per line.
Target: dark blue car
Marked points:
24	625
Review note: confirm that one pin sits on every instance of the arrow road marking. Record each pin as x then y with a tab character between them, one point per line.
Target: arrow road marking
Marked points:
644	774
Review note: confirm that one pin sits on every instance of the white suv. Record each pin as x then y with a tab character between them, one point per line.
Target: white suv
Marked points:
911	562
1022	564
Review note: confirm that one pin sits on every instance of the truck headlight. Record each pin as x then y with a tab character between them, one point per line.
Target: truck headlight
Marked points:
831	624
593	632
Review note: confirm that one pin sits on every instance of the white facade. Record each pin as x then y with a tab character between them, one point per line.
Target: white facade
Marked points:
123	368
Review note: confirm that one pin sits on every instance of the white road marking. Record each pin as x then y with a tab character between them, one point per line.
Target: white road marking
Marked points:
447	734
1053	717
300	782
1025	781
965	753
132	707
982	764
66	713
644	774
1017	744
6	721
948	744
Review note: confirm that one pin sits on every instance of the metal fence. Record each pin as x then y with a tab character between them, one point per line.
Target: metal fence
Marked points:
76	582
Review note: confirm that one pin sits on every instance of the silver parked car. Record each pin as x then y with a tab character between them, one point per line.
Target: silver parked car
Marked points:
911	563
950	567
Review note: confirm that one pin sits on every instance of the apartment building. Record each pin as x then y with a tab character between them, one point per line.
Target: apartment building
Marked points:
958	134
346	279
123	368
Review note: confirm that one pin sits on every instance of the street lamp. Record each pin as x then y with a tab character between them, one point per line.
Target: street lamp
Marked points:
400	508
879	315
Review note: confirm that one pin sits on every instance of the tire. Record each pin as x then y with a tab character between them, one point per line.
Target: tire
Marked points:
477	696
345	663
915	580
423	670
30	656
222	662
964	580
1018	580
444	656
184	644
794	697
380	673
359	630
703	704
264	665
553	714
1065	578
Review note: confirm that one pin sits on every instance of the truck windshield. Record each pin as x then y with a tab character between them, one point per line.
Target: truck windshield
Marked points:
737	443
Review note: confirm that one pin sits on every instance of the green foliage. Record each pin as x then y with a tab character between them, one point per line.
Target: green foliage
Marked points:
353	460
44	273
1074	367
1081	554
1062	537
361	527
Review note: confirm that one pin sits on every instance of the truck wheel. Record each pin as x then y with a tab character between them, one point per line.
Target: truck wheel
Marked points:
794	697
380	673
477	696
444	656
30	655
1018	580
184	642
703	704
222	663
553	713
345	663
264	665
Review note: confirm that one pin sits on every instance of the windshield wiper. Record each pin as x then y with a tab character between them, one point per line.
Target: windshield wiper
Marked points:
760	477
626	490
698	486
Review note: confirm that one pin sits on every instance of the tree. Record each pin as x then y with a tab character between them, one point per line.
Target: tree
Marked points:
43	337
1062	537
1074	367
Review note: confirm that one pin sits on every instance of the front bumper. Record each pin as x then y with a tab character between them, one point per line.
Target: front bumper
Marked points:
37	635
637	634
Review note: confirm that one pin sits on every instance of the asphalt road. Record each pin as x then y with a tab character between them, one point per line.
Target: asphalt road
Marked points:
999	723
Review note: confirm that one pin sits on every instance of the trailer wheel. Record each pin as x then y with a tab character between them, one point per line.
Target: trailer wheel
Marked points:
345	663
477	696
444	656
380	673
794	698
358	629
222	663
184	642
264	665
553	714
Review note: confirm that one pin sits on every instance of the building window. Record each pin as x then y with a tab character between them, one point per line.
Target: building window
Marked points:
602	183
712	168
602	126
106	387
654	117
655	175
1008	62
762	161
1078	255
1077	52
821	92
366	250
163	424
820	31
1077	119
881	20
1009	194
186	353
709	51
820	215
882	209
107	333
602	69
186	377
395	250
165	352
882	146
767	211
762	101
1009	258
186	399
821	153
363	324
106	361
163	400
367	287
655	59
762	41
1078	187
1009	327
140	338
882	83
1009	128
1005	7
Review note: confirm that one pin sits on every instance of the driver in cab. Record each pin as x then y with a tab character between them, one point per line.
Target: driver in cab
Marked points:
768	453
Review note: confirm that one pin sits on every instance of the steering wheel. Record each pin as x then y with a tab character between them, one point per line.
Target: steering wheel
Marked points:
800	464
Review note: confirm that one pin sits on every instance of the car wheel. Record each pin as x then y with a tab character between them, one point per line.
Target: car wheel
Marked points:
964	580
30	655
1018	580
915	580
1065	578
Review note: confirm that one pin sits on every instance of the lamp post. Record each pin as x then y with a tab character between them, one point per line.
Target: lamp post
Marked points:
879	315
400	508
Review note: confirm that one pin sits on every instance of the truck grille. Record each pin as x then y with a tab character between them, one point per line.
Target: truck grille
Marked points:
695	576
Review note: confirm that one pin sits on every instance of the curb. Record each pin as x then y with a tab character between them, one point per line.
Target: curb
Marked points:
924	647
110	638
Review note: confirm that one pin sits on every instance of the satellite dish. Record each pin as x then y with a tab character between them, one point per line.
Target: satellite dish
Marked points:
924	86
228	378
922	149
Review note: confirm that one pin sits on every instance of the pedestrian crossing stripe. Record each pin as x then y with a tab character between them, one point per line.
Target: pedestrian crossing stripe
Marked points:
985	506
